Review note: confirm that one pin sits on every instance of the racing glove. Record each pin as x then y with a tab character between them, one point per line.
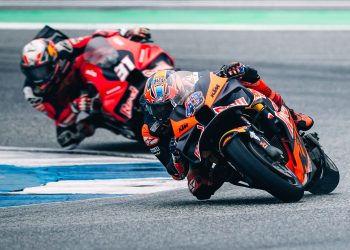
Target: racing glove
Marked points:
179	168
239	71
138	34
35	101
37	105
82	104
234	70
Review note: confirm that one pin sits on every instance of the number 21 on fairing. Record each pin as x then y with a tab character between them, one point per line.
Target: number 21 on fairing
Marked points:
124	68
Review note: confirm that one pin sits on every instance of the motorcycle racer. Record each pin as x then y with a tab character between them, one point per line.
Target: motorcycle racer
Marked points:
54	84
164	90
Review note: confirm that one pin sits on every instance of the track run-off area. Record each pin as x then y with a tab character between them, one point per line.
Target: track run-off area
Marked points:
303	55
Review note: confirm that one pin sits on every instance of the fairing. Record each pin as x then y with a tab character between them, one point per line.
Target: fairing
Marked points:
220	93
225	102
115	67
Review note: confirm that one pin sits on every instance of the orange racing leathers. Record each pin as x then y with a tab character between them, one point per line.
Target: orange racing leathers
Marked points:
158	135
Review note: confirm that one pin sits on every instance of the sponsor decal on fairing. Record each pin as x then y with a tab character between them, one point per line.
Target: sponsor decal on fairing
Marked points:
283	114
118	41
239	102
124	68
91	72
126	108
196	151
257	94
193	102
113	90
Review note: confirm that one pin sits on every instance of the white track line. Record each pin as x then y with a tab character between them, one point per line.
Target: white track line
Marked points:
114	186
172	4
212	27
39	159
78	152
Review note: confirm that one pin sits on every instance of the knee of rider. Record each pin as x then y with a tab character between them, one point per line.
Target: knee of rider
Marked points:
198	176
200	191
66	136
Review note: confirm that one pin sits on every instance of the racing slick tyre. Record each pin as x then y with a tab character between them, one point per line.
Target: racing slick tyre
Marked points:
328	179
253	163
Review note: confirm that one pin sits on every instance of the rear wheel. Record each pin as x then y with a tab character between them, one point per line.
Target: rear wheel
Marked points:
269	175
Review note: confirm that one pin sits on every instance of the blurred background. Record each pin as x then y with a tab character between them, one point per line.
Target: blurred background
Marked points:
299	47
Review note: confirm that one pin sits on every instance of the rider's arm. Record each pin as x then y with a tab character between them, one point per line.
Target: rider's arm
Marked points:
85	102
38	102
70	132
136	34
158	143
71	48
65	119
249	78
67	134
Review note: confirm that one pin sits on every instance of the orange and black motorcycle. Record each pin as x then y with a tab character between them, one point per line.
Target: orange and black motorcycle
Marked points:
222	122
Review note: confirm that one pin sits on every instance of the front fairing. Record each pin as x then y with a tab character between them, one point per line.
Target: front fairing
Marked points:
224	96
112	66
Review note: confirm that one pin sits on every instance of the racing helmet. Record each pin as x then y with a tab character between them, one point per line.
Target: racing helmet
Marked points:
165	90
158	93
39	62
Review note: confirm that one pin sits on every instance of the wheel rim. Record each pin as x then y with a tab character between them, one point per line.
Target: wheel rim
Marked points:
275	166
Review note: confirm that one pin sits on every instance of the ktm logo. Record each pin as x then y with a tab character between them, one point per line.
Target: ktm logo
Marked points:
214	90
183	127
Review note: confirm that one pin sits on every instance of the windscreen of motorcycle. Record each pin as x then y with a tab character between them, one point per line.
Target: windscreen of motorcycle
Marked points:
183	82
99	52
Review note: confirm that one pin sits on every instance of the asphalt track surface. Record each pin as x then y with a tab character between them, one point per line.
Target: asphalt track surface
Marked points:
311	71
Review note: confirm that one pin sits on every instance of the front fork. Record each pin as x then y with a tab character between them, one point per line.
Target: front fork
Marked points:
254	134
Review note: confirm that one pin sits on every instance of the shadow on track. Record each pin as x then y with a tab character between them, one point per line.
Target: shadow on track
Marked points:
241	201
244	201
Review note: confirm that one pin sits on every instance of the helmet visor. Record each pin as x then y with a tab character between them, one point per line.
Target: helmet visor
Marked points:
160	111
40	74
183	82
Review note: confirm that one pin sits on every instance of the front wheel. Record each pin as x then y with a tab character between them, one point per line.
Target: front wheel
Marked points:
255	165
328	179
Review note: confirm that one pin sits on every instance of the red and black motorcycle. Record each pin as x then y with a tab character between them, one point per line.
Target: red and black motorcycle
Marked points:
118	68
222	122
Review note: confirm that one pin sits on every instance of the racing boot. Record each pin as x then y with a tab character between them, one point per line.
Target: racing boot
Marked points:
202	185
302	121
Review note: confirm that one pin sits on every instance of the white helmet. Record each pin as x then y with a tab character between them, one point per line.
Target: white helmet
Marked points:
39	62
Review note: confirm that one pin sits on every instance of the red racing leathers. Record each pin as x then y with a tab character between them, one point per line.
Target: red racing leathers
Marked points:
69	93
